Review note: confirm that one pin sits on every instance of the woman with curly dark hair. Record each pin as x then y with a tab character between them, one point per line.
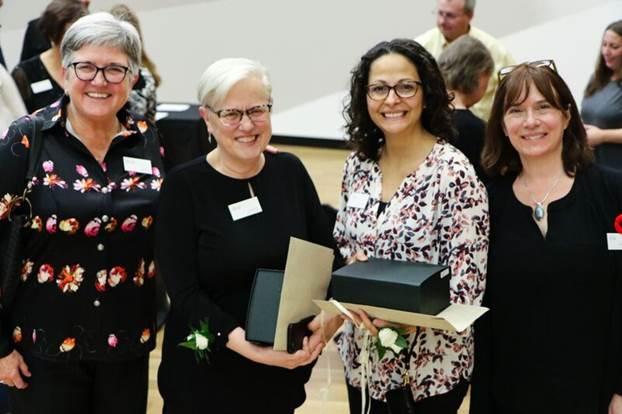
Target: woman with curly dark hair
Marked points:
408	195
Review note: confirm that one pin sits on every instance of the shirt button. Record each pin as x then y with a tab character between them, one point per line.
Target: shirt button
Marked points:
105	218
100	247
96	303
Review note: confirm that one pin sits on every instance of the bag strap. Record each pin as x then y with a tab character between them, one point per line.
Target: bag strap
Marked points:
36	143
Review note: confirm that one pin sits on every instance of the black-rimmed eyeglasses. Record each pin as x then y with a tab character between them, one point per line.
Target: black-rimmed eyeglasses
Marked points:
403	89
544	63
87	71
233	117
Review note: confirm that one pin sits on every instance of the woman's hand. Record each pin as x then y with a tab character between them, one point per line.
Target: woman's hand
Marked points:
12	367
359	256
327	331
311	348
615	406
595	135
374	325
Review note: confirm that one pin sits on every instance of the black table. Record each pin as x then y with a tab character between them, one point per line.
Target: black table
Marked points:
183	136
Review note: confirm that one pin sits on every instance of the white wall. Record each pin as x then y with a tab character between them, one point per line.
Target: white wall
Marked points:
310	46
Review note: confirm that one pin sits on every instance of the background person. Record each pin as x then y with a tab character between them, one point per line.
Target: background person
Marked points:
601	108
208	258
467	66
40	78
551	342
79	333
35	41
424	203
453	19
143	99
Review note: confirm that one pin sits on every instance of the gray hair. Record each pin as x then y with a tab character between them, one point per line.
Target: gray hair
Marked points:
462	63
102	29
222	75
469	6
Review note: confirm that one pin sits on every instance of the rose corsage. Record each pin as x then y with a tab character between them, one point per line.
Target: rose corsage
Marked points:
199	341
393	339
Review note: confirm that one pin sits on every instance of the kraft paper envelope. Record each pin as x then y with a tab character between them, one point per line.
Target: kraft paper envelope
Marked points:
454	318
307	276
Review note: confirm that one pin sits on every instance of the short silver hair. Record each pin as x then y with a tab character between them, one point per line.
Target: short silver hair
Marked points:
462	63
222	75
102	29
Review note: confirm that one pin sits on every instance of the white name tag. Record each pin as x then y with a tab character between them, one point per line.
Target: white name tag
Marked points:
131	164
614	241
245	208
358	200
41	86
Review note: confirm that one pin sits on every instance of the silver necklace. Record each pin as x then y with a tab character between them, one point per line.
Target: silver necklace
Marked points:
538	210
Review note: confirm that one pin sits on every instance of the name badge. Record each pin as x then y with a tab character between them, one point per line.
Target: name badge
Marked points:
614	241
131	164
358	200
245	208
41	86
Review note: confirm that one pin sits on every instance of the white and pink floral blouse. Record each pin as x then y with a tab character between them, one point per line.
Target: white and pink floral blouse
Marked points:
439	215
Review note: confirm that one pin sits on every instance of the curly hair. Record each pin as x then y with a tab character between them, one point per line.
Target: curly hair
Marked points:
499	156
365	136
602	74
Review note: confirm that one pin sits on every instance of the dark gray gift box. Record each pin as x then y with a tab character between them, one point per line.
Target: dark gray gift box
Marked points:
408	286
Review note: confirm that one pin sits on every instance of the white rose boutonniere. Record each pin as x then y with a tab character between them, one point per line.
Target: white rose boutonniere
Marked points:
199	341
391	339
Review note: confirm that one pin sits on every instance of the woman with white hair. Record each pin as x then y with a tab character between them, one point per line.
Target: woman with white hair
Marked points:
78	335
221	217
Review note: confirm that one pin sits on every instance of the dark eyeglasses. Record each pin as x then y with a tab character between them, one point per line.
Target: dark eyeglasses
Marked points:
233	117
545	63
403	89
86	71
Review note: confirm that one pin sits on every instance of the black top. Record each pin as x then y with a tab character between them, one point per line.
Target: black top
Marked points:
35	41
470	139
87	288
551	341
208	262
35	95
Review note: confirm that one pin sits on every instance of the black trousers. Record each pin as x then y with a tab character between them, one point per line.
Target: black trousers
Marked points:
447	403
84	387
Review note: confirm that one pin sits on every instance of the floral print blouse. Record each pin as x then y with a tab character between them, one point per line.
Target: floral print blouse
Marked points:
87	279
439	215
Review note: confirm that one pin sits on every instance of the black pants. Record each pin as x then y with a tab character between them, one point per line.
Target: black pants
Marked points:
86	387
447	403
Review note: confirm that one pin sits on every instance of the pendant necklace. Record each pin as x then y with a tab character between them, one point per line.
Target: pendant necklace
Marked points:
538	210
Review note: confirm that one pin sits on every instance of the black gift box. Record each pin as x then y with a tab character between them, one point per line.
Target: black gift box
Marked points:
263	306
408	286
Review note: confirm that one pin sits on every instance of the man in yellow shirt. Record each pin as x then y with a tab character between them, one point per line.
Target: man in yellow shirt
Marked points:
453	19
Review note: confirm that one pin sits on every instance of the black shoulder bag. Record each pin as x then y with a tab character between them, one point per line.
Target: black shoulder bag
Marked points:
13	241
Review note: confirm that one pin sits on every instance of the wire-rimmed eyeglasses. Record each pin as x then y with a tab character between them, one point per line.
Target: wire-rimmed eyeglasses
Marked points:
544	63
404	89
233	117
87	71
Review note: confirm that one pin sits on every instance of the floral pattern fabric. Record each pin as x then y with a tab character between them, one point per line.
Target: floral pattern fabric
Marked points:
438	215
87	280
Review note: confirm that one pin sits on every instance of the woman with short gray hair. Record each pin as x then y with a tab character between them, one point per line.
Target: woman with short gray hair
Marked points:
466	66
78	335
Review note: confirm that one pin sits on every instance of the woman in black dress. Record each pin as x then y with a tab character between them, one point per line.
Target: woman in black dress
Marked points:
221	217
551	342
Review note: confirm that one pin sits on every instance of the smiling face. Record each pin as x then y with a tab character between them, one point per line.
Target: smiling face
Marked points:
611	49
97	99
245	142
395	115
534	126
